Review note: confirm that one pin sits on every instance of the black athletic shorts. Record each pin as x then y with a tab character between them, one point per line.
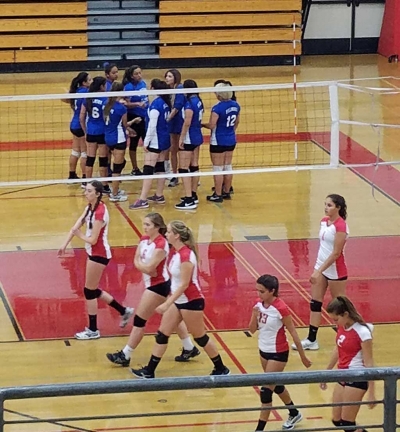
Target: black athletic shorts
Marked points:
120	146
153	150
162	289
221	149
280	357
77	133
139	128
193	305
98	139
99	259
189	147
339	279
362	385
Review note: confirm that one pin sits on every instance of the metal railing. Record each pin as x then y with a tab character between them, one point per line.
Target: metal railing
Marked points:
389	376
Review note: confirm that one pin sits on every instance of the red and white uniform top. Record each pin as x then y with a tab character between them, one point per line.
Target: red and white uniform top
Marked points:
326	245
271	331
193	291
147	249
101	248
349	343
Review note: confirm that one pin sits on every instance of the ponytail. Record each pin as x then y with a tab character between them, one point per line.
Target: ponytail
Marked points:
75	84
95	87
157	84
98	187
185	235
340	203
342	304
115	87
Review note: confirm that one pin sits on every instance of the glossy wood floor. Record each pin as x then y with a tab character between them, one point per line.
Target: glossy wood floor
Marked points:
41	295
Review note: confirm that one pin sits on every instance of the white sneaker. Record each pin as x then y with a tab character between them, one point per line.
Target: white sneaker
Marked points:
307	345
118	198
292	421
87	334
126	316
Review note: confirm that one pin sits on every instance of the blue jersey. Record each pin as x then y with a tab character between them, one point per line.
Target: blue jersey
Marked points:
108	85
157	134
224	132
115	132
194	135
95	124
137	111
75	123
175	125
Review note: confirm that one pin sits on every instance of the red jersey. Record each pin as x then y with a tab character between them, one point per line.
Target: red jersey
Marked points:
146	251
101	248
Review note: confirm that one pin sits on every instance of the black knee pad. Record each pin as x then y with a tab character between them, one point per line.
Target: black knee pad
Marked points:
139	322
351	425
117	168
202	341
266	395
183	171
315	306
161	338
193	168
337	423
103	162
148	170
91	294
279	389
160	167
90	160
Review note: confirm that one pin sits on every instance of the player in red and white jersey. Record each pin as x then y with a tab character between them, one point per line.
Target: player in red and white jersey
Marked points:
353	350
97	219
270	317
330	270
151	259
186	302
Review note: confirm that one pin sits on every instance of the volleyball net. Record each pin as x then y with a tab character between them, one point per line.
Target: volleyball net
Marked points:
282	127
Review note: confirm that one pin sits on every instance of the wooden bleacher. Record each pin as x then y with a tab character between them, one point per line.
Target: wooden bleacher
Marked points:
43	32
234	28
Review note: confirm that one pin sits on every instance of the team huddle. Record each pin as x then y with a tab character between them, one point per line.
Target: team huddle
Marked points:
167	257
170	129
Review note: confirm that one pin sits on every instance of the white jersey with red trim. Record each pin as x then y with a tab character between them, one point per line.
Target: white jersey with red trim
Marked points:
101	248
326	245
271	331
349	343
193	291
146	250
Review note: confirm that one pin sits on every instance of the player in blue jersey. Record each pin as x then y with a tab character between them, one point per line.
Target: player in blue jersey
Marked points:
173	79
137	109
156	145
189	146
111	73
224	120
80	84
92	122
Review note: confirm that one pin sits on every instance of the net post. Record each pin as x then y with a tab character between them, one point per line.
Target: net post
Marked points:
334	107
389	404
2	422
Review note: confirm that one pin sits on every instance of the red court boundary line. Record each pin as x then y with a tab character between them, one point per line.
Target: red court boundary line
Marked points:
129	220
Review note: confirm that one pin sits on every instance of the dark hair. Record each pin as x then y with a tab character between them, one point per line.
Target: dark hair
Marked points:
95	87
158	221
108	67
98	186
177	76
270	283
221	81
157	84
189	83
128	74
115	87
342	304
340	203
75	84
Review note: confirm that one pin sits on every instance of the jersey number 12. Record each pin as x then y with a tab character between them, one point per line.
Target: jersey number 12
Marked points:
231	120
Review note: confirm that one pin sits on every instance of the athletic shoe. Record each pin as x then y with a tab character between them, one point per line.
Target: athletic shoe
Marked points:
73	177
142	373
126	316
307	345
139	204
292	421
136	172
186	204
186	355
107	190
118	198
224	371
194	196
173	182
118	358
215	198
226	196
157	199
87	334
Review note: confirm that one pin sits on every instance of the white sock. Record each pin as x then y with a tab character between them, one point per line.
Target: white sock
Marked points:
127	352
187	344
167	166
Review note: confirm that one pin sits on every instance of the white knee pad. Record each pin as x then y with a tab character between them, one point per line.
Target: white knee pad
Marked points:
75	153
218	168
84	155
227	167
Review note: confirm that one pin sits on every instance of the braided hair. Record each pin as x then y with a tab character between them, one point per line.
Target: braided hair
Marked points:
98	187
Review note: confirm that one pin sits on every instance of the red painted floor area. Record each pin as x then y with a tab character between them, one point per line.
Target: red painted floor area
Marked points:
45	292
